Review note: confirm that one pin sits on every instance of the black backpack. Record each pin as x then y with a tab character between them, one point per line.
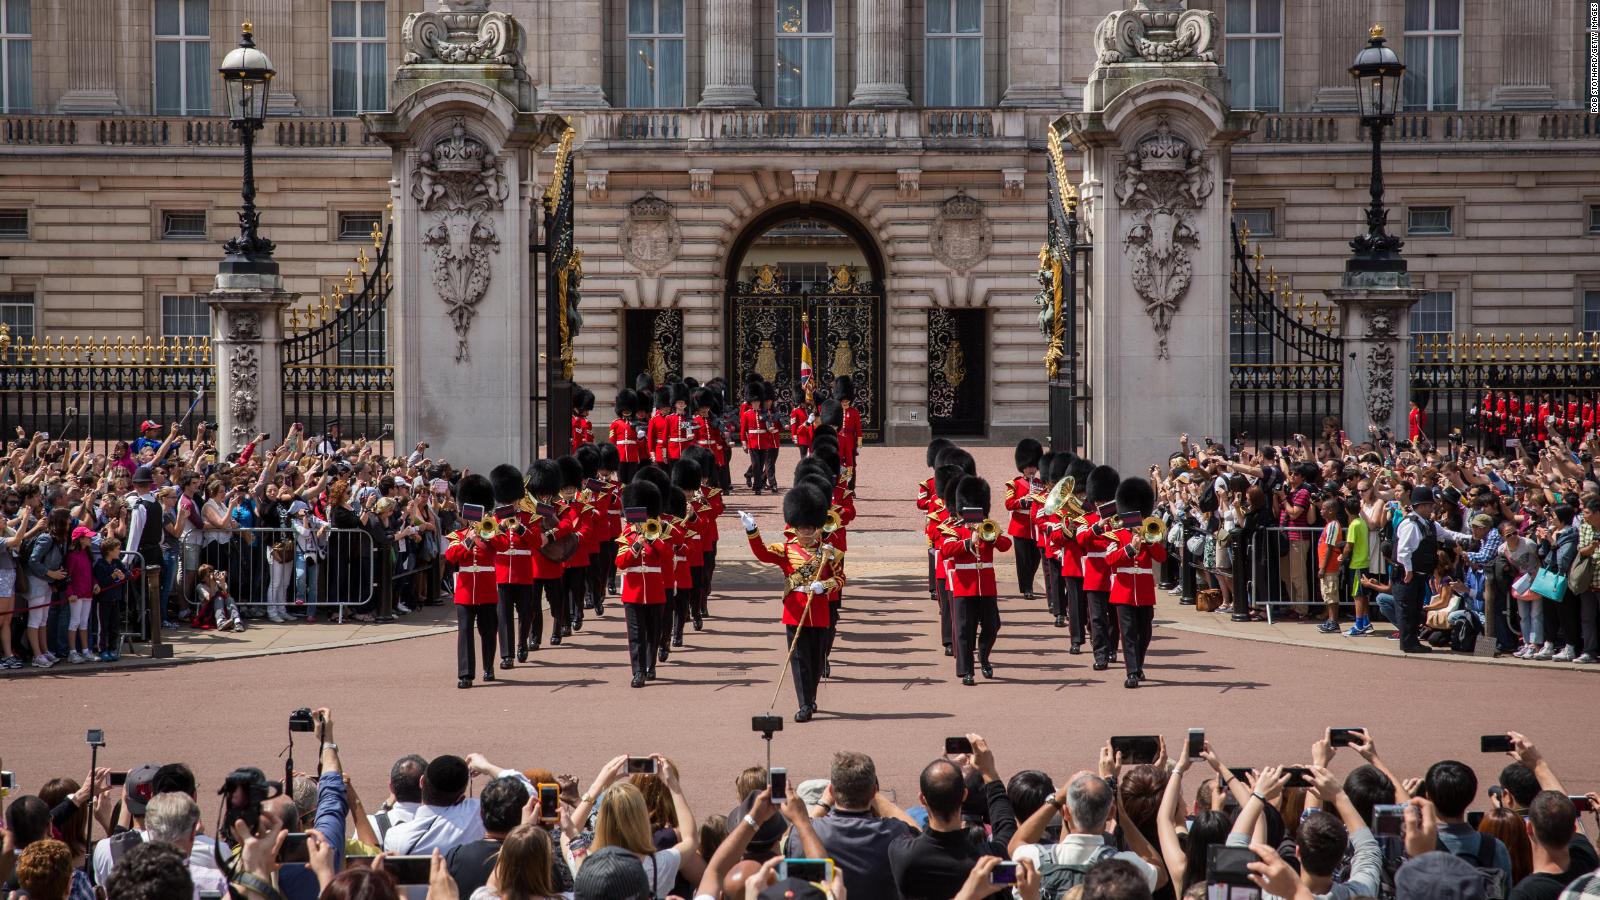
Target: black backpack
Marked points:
1494	878
1464	633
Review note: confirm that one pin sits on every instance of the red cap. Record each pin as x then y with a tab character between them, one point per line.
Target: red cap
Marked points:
146	425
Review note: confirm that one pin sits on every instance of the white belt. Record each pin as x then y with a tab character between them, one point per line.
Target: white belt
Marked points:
1134	571
642	570
973	566
514	553
1101	554
470	570
679	440
624	443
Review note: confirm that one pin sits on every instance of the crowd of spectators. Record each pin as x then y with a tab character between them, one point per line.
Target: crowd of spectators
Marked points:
1446	543
1119	829
271	532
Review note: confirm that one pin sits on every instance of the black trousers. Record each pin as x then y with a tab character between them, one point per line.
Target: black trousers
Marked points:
1571	618
574	582
1102	627
482	619
1076	601
1053	589
644	635
1408	601
1589	613
1027	552
626	471
977	626
933	586
805	666
1135	622
833	630
516	616
805	450
698	593
555	595
598	574
946	631
768	476
710	570
682	603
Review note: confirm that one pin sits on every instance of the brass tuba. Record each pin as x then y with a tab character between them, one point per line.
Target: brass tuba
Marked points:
832	523
987	531
1059	495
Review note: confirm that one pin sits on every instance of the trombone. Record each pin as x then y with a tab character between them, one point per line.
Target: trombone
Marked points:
651	529
488	528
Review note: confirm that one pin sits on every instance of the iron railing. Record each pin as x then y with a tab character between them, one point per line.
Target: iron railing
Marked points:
1498	388
1065	275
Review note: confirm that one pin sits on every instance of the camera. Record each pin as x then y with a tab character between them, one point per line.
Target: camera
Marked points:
95	737
300	720
1388	819
243	792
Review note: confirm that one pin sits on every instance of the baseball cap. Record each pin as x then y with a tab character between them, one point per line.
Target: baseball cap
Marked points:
1482	521
146	425
611	873
139	787
298	507
792	889
1438	875
82	531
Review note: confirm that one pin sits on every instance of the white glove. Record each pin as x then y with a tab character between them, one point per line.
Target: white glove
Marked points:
818	587
749	522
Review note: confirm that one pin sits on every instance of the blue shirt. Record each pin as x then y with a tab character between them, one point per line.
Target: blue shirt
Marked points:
296	880
1462	840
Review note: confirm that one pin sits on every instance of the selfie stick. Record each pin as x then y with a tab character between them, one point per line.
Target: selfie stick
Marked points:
198	394
72	420
88	825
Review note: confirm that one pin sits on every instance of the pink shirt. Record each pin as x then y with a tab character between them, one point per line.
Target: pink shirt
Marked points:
80	574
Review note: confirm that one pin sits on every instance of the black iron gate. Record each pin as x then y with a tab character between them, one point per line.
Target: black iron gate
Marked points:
958	345
652	343
1286	375
563	278
845	319
1063	299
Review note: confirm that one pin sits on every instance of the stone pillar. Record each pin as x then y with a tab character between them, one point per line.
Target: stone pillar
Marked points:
1336	21
465	142
92	66
576	58
1033	53
246	336
730	53
1156	135
1525	56
880	54
273	21
1375	323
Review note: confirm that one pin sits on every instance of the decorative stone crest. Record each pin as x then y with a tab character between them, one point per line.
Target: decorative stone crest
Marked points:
910	183
246	325
1163	184
1380	383
650	237
244	372
1381	324
805	183
596	183
700	183
461	32
1015	181
460	181
961	236
1161	31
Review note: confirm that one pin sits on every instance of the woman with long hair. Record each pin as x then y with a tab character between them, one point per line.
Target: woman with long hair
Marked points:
47	576
624	821
526	869
1506	825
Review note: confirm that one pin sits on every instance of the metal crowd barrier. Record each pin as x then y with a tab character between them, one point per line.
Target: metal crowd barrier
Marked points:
338	571
1262	565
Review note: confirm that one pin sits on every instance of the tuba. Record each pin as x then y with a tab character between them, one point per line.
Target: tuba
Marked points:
1059	495
832	523
987	531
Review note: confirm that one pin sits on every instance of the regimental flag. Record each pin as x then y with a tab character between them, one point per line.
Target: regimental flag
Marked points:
805	354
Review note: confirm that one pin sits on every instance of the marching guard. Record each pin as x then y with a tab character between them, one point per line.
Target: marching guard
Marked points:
968	551
1020	494
477	596
645	562
1136	547
627	435
515	544
1101	490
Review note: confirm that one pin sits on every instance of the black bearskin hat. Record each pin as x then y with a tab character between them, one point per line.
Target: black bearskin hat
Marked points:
844	388
507	483
610	461
956	456
645	494
703	458
936	447
1135	495
1028	453
1080	469
1058	469
1045	459
831	413
686	475
813	466
626	404
1102	485
583	400
674	503
544	478
827	455
663	398
644	384
752	391
703	399
678	391
824	430
571	471
691	383
475	490
656	476
589	458
972	491
806	506
823	483
944	483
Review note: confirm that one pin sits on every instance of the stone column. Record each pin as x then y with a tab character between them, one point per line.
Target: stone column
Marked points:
576	58
1376	326
730	53
92	65
880	54
1033	53
1341	23
274	29
1525	56
246	336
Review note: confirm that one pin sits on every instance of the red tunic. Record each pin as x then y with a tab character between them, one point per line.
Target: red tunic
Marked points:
656	436
972	569
800	427
1096	572
582	432
925	495
545	568
1019	500
644	574
679	433
851	430
629	448
513	558
1133	581
789	557
474	569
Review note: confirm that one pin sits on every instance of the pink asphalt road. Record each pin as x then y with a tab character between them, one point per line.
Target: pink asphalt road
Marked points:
893	694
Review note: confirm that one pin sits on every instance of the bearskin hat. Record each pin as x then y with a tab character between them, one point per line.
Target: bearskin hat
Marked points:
972	491
844	388
686	475
693	384
701	457
678	392
610	461
656	476
1045	459
831	413
806	506
1135	495
824	430
663	398
1102	485
583	400
507	483
703	398
1057	470
936	447
944	483
674	503
475	490
829	442
544	478
626	404
1080	470
827	455
813	466
589	458
820	482
645	494
956	456
1027	454
752	391
571	471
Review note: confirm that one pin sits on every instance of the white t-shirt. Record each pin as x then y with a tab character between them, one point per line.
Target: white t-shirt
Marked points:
1081	846
661	868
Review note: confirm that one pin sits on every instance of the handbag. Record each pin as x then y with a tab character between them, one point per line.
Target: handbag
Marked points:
1582	574
1550	584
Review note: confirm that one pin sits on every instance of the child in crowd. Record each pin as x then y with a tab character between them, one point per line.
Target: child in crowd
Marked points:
214	602
1330	561
110	588
80	593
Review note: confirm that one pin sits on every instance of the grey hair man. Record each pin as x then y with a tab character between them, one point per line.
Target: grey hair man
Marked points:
174	818
1086	804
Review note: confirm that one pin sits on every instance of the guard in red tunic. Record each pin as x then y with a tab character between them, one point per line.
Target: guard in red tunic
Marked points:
802	419
687	479
1102	489
515	545
559	539
477	596
582	408
625	436
1133	576
940	528
644	559
969	555
926	498
844	391
610	495
1020	493
1074	600
755	436
811	569
595	498
659	428
1047	533
709	501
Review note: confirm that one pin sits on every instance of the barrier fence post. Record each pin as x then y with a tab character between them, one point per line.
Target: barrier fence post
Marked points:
1187	577
385	571
153	613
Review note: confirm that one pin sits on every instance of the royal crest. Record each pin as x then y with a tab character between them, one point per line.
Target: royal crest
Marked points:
961	236
650	237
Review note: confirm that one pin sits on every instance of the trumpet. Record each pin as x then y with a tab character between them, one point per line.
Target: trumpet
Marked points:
488	528
987	531
832	523
651	529
1150	530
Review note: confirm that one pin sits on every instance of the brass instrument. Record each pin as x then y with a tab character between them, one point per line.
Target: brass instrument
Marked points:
1060	495
987	531
651	529
1150	531
832	523
488	528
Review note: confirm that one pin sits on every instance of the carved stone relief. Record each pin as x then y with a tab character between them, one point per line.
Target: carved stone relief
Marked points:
461	32
1157	31
1380	384
650	237
961	235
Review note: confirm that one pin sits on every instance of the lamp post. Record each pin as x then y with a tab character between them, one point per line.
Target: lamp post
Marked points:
247	76
1378	74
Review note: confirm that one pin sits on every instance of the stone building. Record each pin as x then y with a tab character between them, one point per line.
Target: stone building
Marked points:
876	165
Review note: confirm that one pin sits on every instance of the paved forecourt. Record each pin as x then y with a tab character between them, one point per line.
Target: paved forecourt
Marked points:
893	693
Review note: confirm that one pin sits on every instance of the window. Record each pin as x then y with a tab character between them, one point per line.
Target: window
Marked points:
1594	219
367	344
183	225
805	274
185	315
14	224
1423	220
16	313
16	56
1253	55
1434	314
359	69
183	57
1261	221
1433	54
1249	342
1591	311
358	226
805	52
954	53
655	53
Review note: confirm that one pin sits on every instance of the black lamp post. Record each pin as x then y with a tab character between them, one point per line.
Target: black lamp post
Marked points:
1378	74
247	75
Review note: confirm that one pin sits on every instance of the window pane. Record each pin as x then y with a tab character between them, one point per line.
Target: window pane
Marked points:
1591	310
343	14
1268	71
344	79
1416	15
641	17
197	17
939	16
1594	218
1238	17
1269	16
167	16
789	17
373	71
17	18
819	72
372	19
670	90
968	87
938	68
1259	221
1429	220
197	77
1446	72
789	83
1446	15
969	16
641	73
670	16
14	223
819	16
19	76
1236	64
169	79
1416	78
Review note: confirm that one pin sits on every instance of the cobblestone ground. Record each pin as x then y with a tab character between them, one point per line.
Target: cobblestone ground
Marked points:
893	693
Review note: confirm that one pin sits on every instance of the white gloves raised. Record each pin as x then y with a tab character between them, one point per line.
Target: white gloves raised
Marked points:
818	587
749	522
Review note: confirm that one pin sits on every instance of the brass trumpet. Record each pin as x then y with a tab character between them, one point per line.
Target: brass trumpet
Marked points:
987	531
488	528
1150	531
832	523
651	529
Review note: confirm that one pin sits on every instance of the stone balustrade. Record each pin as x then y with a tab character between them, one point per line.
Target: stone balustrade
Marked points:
176	131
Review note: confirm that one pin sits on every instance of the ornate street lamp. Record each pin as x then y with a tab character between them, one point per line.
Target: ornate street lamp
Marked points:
1378	74
247	75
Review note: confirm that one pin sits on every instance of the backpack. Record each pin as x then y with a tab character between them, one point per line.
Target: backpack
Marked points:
1464	633
1494	878
120	843
1057	878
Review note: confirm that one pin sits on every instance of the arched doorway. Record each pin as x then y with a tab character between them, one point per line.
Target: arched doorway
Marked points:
808	270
